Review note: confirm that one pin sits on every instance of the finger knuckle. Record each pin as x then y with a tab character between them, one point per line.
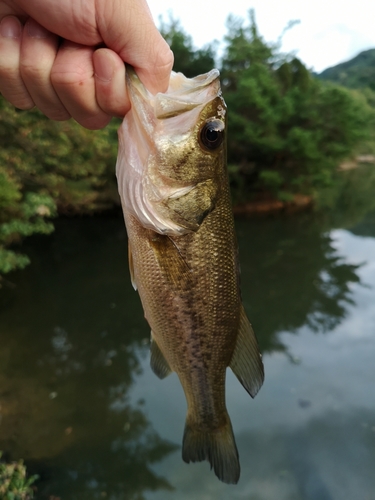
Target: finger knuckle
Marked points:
32	72
69	76
164	57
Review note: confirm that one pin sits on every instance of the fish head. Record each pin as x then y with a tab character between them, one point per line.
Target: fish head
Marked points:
172	152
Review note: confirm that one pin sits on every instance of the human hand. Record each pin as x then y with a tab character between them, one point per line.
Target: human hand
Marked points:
67	56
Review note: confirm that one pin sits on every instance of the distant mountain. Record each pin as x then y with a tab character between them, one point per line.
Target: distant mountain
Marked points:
356	73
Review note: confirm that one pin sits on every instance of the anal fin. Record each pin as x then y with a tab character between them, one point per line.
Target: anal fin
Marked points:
159	364
246	362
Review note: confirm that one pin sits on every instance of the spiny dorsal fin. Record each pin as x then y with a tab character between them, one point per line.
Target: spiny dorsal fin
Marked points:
131	267
246	362
159	364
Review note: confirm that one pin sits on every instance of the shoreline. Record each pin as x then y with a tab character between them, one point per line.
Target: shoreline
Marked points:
299	203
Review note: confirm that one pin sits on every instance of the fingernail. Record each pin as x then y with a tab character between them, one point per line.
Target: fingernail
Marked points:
10	27
35	30
103	68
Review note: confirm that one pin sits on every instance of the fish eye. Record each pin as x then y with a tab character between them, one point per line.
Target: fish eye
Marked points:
211	134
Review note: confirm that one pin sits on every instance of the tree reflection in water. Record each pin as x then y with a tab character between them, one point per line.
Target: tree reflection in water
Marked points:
73	334
292	276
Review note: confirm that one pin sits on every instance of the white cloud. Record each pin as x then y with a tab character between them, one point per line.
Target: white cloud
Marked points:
330	31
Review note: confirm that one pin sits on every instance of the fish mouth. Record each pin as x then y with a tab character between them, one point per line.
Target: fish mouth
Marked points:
183	94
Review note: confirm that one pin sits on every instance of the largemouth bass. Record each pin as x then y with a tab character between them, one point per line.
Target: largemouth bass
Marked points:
183	260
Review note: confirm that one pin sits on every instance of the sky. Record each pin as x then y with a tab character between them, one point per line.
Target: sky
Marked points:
329	32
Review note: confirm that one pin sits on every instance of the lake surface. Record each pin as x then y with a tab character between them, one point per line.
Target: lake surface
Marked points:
80	404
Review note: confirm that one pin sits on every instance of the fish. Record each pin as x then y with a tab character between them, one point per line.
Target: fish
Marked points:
183	255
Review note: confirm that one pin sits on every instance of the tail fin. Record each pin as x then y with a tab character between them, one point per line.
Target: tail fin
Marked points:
218	446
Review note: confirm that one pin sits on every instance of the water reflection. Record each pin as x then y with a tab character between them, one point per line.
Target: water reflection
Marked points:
349	199
79	402
69	357
292	275
366	227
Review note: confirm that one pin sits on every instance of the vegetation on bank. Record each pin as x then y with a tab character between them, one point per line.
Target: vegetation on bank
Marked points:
14	485
48	168
287	130
287	133
357	73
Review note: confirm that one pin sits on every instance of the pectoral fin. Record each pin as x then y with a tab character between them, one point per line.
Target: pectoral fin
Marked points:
131	267
169	259
159	364
246	362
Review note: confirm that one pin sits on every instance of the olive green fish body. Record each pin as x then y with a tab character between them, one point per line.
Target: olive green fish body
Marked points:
183	260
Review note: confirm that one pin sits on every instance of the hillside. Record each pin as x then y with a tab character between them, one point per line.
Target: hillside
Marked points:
356	73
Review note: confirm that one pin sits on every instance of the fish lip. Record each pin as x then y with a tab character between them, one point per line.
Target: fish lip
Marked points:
185	85
183	94
193	84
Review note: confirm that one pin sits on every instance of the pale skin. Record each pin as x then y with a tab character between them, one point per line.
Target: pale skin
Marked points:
66	57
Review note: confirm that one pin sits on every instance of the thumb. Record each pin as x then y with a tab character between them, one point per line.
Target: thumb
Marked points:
127	27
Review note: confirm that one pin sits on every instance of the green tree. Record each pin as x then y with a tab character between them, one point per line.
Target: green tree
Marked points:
287	130
48	166
357	73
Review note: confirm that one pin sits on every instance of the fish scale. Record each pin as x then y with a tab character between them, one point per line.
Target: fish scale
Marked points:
183	255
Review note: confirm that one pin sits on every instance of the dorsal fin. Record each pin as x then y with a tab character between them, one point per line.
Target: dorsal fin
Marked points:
246	362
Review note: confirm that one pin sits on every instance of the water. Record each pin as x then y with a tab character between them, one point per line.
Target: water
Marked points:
80	404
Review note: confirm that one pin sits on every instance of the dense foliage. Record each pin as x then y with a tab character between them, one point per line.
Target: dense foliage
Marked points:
287	133
14	485
48	166
287	130
356	73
